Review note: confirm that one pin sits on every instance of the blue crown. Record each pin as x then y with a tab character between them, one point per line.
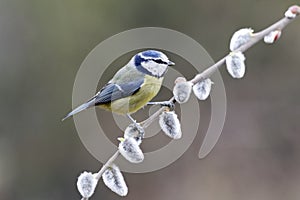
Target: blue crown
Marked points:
151	53
145	56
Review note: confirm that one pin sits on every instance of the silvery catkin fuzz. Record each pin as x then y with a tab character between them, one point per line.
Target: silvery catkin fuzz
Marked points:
235	64
134	132
130	150
170	124
113	179
86	184
182	90
240	38
272	37
202	89
292	12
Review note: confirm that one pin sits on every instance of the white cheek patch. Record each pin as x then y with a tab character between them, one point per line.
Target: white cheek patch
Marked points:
155	69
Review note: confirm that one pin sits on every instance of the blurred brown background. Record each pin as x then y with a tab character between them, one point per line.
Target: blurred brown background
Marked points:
42	44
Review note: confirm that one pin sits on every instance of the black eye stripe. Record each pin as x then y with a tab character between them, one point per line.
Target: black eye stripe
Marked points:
159	61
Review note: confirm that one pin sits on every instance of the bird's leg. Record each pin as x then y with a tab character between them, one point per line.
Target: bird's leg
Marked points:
169	104
139	128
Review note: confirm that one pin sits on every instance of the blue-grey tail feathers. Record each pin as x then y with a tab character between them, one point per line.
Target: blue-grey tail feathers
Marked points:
80	108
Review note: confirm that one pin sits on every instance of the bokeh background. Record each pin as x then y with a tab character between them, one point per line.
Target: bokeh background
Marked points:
43	43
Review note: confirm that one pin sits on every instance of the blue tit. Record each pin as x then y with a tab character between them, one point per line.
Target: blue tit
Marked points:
133	86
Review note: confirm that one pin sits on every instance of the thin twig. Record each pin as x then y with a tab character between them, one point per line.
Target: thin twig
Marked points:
107	164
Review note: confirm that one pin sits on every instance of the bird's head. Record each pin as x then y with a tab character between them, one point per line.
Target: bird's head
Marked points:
151	62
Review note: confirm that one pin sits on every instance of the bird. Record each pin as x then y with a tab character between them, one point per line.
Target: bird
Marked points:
132	87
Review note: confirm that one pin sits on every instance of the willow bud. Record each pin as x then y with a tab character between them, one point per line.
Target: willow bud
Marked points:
170	124
130	150
235	64
292	12
134	132
202	89
113	179
86	184
240	38
272	37
182	90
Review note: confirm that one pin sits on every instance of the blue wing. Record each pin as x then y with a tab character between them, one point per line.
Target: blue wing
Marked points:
110	92
113	91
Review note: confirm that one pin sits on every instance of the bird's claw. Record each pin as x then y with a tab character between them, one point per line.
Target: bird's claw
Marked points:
170	105
139	128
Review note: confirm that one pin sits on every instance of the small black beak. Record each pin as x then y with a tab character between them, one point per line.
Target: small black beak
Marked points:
170	63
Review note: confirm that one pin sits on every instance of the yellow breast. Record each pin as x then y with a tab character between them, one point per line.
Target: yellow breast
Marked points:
131	104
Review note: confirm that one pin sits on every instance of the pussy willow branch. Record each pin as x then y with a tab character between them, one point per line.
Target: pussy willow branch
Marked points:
107	164
279	25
